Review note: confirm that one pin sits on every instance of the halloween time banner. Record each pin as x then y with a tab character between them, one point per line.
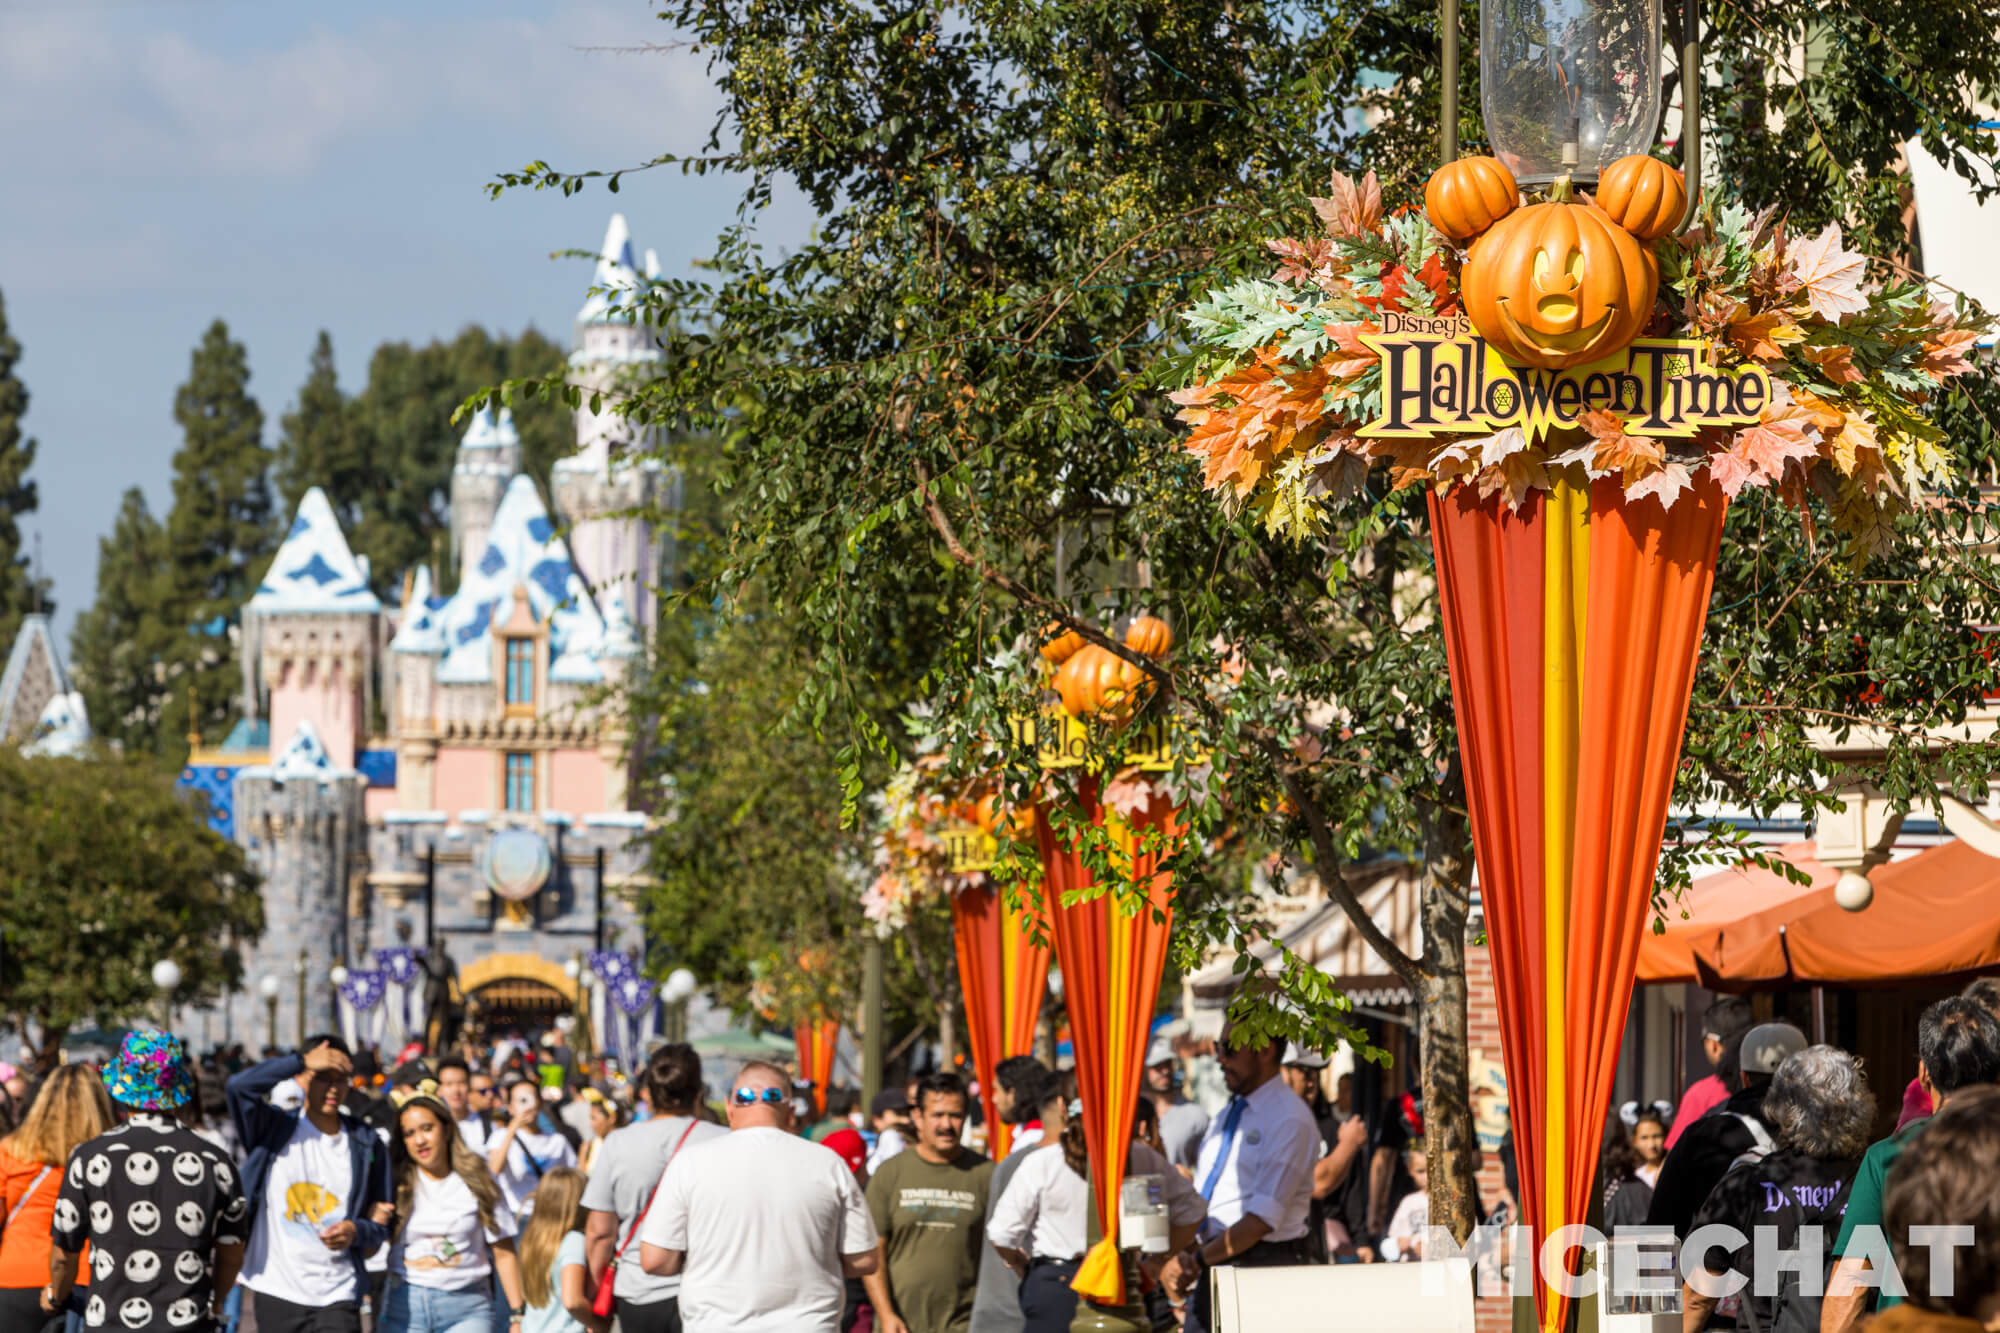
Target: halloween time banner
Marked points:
1440	377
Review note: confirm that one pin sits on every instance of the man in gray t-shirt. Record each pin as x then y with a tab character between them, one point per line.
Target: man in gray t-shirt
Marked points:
622	1181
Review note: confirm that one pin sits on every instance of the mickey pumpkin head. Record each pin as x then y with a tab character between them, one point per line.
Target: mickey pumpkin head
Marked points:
1561	283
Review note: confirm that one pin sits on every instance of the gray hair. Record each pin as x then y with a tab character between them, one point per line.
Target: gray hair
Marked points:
1819	1104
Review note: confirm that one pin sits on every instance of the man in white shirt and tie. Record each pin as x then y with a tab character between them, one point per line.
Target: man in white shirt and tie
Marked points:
1255	1170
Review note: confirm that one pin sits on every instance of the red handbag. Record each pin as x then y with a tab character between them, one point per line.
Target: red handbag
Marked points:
602	1305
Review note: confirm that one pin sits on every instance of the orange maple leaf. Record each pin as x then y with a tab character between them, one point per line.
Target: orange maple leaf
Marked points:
1829	274
1761	337
1836	363
1760	452
1273	409
1944	356
1355	209
1354	356
1633	455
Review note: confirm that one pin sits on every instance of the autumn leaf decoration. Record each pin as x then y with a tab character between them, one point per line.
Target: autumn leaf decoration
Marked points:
1287	380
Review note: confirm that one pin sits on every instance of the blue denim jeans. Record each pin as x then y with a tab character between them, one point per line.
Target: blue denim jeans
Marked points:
412	1309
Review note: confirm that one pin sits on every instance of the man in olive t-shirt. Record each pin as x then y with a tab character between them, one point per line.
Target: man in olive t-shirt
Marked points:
929	1207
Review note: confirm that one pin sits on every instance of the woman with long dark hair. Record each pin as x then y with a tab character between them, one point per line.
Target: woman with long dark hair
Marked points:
1632	1155
453	1232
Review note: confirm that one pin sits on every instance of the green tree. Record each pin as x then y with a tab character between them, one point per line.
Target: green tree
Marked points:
121	639
386	464
318	444
104	870
220	535
21	591
957	385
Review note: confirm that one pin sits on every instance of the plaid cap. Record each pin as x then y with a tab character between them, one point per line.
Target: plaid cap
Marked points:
151	1073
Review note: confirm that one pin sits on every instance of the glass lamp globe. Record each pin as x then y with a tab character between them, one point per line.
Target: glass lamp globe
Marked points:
268	986
166	974
1568	87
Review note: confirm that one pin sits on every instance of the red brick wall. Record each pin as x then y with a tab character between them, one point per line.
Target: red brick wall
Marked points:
1482	1033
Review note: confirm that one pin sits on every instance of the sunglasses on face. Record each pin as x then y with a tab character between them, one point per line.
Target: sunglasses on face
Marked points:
768	1096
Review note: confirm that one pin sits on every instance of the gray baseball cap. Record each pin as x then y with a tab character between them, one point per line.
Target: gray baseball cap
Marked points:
1766	1046
1296	1054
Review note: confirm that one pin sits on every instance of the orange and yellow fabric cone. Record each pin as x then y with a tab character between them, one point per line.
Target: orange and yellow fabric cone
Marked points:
1572	627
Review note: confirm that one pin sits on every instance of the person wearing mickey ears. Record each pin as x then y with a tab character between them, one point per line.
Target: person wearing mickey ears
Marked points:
313	1180
158	1205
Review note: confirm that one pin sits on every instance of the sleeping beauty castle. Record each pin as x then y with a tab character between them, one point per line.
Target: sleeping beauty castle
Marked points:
438	792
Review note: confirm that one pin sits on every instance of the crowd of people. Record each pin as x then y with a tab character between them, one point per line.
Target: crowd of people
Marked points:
525	1191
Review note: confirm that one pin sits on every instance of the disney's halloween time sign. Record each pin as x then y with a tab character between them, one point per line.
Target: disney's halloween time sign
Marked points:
1439	377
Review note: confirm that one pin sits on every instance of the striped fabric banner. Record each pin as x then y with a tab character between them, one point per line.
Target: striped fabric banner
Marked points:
1112	953
815	1043
1003	973
1572	628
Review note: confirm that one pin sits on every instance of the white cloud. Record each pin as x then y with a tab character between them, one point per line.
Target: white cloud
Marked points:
87	93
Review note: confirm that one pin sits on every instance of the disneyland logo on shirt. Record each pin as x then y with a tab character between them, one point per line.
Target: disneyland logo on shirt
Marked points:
1647	1261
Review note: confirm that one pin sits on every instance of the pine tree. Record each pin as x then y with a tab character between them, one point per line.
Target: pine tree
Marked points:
219	536
121	644
20	590
318	445
401	424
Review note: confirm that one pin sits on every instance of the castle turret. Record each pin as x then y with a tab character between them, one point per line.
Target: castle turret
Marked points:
610	472
488	457
310	632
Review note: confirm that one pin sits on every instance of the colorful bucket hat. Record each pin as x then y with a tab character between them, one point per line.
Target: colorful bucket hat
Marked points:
151	1073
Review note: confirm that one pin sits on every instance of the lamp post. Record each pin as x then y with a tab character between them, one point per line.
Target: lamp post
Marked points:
1570	86
575	970
268	987
338	976
166	979
299	972
679	989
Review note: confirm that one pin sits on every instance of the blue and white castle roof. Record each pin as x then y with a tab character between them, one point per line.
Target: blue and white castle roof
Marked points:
617	288
522	550
314	571
304	759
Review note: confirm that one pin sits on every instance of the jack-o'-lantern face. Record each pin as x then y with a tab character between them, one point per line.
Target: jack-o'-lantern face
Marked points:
1559	284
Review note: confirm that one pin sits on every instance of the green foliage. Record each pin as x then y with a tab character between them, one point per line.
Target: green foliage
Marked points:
384	456
962	372
120	637
104	870
220	535
20	590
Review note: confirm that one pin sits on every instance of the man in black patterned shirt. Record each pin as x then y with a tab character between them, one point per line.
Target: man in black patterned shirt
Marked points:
159	1206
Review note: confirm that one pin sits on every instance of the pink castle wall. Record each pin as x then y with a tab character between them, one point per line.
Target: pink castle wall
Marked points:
577	782
332	705
466	779
378	801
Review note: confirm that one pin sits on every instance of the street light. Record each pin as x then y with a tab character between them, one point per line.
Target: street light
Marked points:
299	971
678	990
1570	86
268	987
166	979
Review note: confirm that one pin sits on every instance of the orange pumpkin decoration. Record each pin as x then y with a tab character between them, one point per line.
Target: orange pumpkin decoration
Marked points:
1062	646
1097	680
1466	197
1149	635
1559	284
991	819
1643	195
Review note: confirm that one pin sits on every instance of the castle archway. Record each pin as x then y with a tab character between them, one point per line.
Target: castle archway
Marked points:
516	990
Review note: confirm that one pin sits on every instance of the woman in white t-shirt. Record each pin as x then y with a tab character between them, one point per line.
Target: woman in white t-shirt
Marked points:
453	1232
519	1153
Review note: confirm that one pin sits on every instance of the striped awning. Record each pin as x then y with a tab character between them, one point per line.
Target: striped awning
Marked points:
1323	935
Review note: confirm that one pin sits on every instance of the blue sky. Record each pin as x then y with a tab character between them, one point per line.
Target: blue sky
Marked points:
296	167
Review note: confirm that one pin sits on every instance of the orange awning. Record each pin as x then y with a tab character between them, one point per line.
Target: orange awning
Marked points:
1732	921
1935	914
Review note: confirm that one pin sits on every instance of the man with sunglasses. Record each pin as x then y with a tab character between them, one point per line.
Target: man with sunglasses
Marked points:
762	1226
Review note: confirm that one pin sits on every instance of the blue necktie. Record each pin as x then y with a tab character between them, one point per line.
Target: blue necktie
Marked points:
1222	1155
